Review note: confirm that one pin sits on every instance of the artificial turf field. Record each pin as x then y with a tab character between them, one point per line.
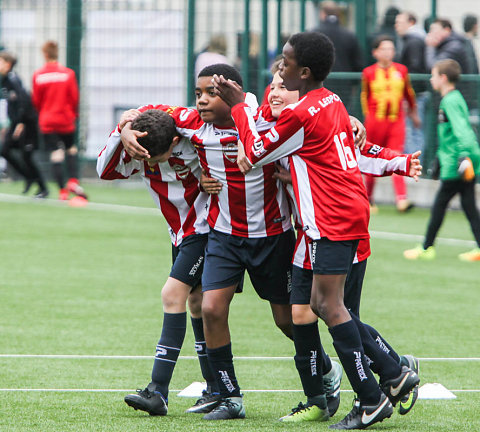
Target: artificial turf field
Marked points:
80	315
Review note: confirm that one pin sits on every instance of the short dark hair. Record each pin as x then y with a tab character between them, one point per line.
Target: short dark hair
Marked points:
450	68
161	131
381	38
314	50
469	21
411	17
445	23
228	72
9	58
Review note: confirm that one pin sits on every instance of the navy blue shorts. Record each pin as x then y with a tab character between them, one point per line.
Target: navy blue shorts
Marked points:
267	261
188	259
302	286
333	257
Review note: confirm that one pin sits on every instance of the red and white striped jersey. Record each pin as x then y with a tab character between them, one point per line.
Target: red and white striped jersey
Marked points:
253	205
328	186
174	185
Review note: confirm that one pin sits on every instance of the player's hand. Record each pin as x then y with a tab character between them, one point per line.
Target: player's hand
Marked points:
210	185
242	161
415	167
359	131
230	91
128	116
282	174
417	123
131	145
17	133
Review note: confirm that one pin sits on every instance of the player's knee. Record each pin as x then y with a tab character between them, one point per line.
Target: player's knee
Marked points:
195	303
57	156
212	312
319	307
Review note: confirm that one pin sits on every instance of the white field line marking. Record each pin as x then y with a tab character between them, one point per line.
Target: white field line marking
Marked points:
118	208
126	357
175	391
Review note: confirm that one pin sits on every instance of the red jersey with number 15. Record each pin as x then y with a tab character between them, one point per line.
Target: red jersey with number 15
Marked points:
328	186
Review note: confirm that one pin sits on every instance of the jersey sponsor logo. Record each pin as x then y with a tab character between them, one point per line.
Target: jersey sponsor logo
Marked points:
359	365
51	77
177	154
182	171
375	149
258	149
170	109
278	220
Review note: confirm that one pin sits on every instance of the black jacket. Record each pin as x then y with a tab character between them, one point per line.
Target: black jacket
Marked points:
20	108
452	47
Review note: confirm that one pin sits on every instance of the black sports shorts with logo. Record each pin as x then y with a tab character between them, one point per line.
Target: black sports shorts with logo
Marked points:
267	261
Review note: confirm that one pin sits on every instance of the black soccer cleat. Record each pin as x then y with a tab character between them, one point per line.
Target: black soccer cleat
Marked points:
397	388
228	409
408	401
363	416
331	384
206	403
148	400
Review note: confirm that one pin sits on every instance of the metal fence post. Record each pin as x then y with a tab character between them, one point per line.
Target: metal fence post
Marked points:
190	50
246	46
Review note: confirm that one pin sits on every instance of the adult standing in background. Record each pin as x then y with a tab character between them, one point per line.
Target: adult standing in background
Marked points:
470	27
214	53
412	55
55	96
348	54
443	43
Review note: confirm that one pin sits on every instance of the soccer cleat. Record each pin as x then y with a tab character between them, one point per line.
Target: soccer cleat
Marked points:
397	388
148	400
206	403
408	401
303	413
331	384
418	252
75	188
63	194
41	194
227	409
28	185
473	255
363	416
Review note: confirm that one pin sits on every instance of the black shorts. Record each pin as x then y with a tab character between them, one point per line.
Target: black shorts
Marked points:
301	286
188	259
267	260
56	141
332	257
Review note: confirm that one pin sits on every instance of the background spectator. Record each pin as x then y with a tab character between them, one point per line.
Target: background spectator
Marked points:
214	53
22	133
443	43
470	27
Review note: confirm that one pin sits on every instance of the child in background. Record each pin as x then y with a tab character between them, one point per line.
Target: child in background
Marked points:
459	156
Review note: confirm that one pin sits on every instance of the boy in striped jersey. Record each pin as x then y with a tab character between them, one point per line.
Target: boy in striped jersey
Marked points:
172	177
316	135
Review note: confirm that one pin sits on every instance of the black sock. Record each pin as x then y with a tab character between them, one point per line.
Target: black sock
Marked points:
326	362
384	365
201	349
384	345
72	165
168	350
308	358
221	361
57	169
348	345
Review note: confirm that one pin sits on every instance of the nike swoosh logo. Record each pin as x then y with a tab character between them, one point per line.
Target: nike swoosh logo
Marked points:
368	418
408	401
396	390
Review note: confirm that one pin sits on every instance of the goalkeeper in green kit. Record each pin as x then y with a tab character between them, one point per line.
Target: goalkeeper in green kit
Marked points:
459	158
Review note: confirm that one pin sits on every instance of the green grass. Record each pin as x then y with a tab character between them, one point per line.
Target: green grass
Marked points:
87	281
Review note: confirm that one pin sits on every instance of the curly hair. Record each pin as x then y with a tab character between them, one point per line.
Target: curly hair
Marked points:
314	50
161	131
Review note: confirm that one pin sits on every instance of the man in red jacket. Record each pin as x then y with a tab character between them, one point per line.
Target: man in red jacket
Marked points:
55	96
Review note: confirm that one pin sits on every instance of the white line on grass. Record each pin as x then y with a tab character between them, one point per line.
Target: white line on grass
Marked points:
176	391
126	357
118	208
